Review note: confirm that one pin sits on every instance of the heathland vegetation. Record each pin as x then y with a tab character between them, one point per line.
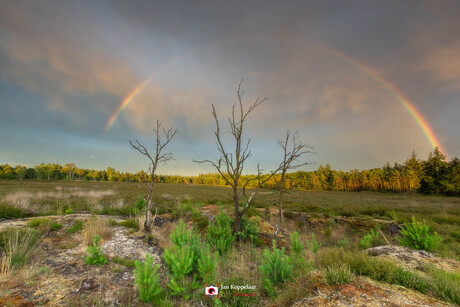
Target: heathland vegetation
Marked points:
323	243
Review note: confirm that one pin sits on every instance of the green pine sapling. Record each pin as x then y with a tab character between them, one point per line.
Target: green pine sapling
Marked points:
95	256
147	280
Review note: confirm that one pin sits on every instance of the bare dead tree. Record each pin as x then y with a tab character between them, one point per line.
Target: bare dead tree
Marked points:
231	163
293	150
155	159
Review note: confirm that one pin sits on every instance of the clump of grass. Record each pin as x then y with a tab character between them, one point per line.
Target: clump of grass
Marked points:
37	222
294	290
55	226
96	226
44	224
10	212
77	225
444	285
129	263
140	220
339	274
130	224
17	244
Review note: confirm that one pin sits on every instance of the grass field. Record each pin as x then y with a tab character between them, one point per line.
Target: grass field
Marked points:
339	221
442	214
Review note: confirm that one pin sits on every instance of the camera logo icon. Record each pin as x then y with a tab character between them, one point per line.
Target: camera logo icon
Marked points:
211	290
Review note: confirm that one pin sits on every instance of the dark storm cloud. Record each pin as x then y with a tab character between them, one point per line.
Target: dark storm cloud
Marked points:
67	66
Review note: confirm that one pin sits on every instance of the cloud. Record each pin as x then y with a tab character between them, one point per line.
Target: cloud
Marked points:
63	56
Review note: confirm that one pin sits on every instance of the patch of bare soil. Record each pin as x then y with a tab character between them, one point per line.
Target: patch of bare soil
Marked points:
366	292
59	276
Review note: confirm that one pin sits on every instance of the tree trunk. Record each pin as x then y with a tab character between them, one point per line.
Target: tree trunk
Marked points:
281	206
236	200
148	213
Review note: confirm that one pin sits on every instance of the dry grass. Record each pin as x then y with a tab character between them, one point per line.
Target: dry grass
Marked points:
92	196
140	220
118	203
161	235
238	261
96	226
17	244
22	199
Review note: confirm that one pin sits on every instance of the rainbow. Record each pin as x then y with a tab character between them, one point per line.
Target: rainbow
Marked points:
127	100
409	106
400	97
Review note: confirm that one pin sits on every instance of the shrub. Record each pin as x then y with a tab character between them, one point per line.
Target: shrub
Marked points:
94	253
339	274
77	225
219	233
207	265
276	269
249	230
183	210
130	224
367	240
416	235
69	210
147	280
313	245
252	212
200	220
17	245
139	205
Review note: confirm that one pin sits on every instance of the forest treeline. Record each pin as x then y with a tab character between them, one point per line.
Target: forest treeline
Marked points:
434	176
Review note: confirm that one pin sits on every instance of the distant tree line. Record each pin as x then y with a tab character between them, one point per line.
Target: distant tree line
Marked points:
433	176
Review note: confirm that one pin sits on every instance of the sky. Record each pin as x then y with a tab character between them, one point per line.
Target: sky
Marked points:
363	82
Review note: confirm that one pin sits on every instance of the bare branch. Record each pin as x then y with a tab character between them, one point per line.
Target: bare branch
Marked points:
159	157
